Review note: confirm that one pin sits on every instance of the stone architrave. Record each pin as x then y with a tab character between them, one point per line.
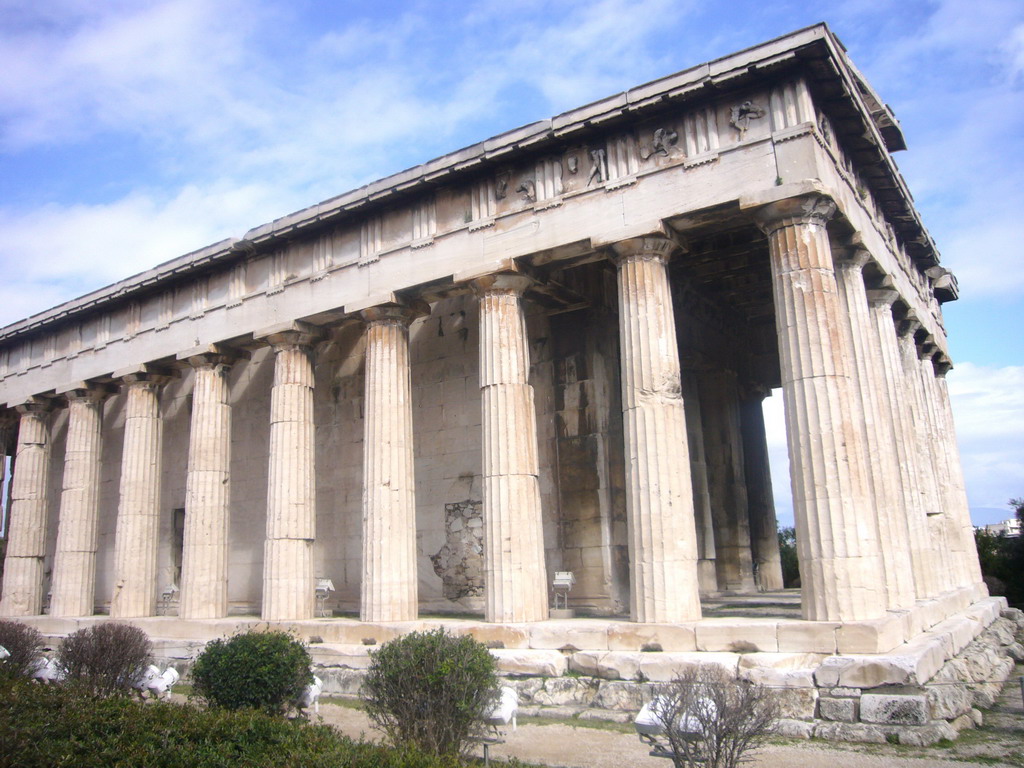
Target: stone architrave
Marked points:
204	560
663	549
288	568
515	573
389	586
894	408
764	534
880	459
971	566
934	531
74	564
837	540
26	539
706	570
723	446
138	512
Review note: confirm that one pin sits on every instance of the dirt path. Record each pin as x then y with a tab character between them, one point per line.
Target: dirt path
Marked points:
559	744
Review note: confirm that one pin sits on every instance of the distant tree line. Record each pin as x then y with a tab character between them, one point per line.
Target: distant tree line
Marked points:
1002	559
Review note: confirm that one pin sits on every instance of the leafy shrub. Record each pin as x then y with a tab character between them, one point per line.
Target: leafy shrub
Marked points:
712	720
430	689
44	726
105	658
24	643
260	670
787	553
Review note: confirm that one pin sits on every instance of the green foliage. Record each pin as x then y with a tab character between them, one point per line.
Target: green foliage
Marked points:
431	690
44	726
105	658
1002	560
787	552
258	670
24	643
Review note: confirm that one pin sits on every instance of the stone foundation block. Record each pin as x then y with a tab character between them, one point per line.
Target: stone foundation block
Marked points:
878	636
871	734
500	635
343	656
865	672
662	667
838	710
566	691
750	635
524	662
794	729
925	736
797	703
579	634
886	709
791	670
610	665
948	700
623	636
621	695
807	636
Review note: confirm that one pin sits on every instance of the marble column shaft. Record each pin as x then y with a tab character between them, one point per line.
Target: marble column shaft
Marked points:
962	511
288	567
706	570
878	440
204	564
723	446
662	532
389	585
74	564
515	572
837	541
138	511
26	538
895	407
764	527
927	475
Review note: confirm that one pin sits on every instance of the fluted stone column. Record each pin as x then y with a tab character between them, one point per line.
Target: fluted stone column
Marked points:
971	568
837	543
880	456
204	561
934	532
288	568
706	569
723	446
515	573
74	564
26	540
663	550
764	528
894	409
389	586
138	511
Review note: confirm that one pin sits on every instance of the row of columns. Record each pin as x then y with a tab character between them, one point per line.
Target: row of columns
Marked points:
875	474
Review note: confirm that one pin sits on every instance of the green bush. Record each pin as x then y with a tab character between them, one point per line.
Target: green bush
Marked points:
24	643
105	658
45	726
430	689
787	553
259	670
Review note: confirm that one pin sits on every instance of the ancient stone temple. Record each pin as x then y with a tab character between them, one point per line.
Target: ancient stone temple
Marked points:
545	352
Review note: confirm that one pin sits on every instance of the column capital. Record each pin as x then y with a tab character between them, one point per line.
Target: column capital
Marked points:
657	247
403	313
86	391
909	325
811	209
37	404
501	282
927	348
943	365
291	334
883	298
145	374
852	258
211	355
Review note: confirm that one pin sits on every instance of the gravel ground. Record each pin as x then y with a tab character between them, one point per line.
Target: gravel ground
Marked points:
1000	743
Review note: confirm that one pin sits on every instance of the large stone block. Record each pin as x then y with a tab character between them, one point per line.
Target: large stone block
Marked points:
924	736
499	635
876	636
524	662
797	703
838	710
581	634
948	700
894	709
621	695
863	732
737	635
342	656
610	665
807	636
662	667
627	636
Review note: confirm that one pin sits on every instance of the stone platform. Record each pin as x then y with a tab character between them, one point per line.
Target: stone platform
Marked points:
917	675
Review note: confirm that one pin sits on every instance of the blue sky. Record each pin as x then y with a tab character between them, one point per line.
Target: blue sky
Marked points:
132	132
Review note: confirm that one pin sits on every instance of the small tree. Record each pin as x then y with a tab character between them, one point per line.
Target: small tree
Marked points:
259	670
787	553
711	720
430	689
105	658
24	643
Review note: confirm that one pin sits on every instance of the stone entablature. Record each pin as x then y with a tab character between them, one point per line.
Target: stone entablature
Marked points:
513	197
